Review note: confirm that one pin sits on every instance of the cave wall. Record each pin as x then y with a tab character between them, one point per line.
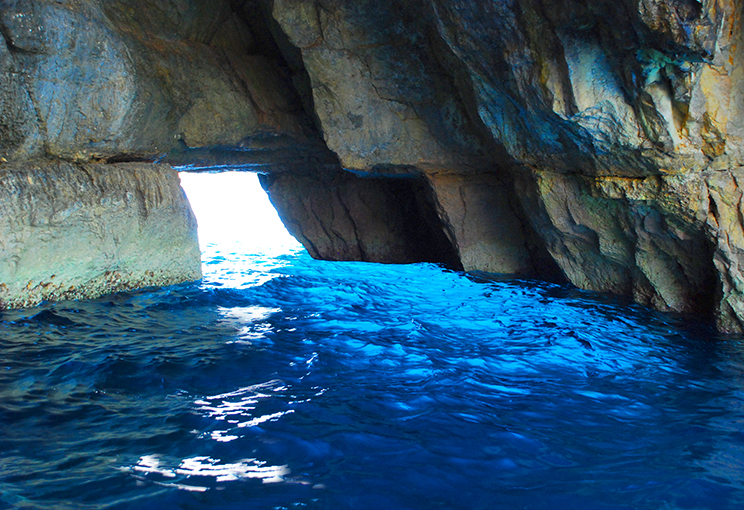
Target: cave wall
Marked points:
596	142
87	85
81	231
615	125
92	80
342	216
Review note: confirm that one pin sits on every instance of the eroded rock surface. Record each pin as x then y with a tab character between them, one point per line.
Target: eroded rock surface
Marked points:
613	123
340	216
86	81
600	142
72	231
642	237
89	79
482	220
725	220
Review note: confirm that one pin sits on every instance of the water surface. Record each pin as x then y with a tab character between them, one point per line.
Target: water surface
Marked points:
280	382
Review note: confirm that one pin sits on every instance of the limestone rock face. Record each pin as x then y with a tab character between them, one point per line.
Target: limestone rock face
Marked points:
381	93
616	126
622	87
630	236
90	79
599	142
483	224
340	216
726	228
80	231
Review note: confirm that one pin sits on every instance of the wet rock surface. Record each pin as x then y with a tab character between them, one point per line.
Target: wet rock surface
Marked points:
598	142
71	231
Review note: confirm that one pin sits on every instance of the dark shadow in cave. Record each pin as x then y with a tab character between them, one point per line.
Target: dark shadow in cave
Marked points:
342	216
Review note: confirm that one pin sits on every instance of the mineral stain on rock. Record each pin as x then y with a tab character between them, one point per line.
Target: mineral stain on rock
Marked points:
599	143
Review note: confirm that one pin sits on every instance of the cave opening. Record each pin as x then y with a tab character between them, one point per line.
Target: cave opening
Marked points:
337	216
231	208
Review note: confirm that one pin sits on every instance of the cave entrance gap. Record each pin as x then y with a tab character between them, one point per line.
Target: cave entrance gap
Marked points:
232	208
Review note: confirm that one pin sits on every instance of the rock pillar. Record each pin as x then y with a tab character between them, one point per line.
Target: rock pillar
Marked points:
81	231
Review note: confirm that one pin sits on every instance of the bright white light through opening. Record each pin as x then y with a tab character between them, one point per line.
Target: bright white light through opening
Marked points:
231	207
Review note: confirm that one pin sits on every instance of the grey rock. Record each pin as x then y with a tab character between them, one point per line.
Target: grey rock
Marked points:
72	231
133	80
600	140
341	216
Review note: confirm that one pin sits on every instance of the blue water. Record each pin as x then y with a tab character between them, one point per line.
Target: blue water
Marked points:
280	382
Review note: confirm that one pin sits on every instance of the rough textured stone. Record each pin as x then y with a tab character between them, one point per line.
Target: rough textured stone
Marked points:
382	97
574	86
19	130
89	80
605	114
725	220
621	235
340	216
479	216
80	231
602	139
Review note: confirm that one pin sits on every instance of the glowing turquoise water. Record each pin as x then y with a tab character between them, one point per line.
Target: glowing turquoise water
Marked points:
283	382
280	382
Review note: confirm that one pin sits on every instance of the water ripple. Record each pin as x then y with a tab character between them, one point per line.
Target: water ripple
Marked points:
284	382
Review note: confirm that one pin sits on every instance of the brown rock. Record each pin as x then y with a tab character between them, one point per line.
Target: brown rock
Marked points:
622	235
479	216
501	136
725	221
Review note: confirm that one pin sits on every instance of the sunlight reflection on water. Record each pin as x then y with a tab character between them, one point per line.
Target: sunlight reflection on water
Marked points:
154	469
284	382
237	410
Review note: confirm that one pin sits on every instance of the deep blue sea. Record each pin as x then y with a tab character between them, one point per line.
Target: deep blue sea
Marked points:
281	382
